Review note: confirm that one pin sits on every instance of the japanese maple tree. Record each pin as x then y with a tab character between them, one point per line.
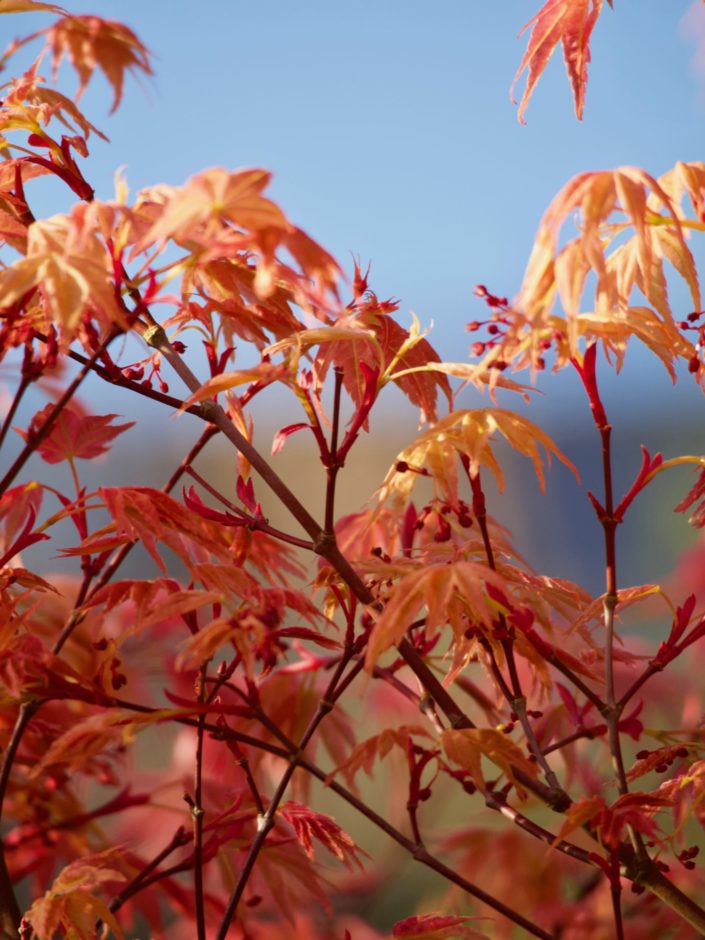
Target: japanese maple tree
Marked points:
172	743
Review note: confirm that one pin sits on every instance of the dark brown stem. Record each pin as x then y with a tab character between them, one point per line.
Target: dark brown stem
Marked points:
10	913
616	895
334	466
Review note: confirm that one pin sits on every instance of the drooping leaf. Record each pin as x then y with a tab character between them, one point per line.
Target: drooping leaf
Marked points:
67	260
468	747
90	42
469	434
149	515
607	206
364	754
310	825
454	593
70	906
570	22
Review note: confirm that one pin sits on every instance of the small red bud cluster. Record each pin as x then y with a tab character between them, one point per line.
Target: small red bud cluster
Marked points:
495	325
687	855
668	758
691	323
136	371
443	530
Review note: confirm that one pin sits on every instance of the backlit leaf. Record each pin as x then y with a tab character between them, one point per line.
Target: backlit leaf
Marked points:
468	747
570	22
75	435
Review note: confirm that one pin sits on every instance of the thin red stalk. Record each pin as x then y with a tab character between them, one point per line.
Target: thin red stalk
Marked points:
608	521
334	465
22	387
252	522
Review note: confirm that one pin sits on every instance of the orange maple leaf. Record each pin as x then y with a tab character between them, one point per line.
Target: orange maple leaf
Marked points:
570	22
469	746
90	42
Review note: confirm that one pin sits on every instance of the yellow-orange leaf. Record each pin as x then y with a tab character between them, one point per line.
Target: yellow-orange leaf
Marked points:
444	593
264	373
468	433
27	6
72	268
70	906
468	746
199	209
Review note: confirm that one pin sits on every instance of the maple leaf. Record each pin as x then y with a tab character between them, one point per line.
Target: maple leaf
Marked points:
145	514
686	791
30	105
228	287
90	42
74	434
466	433
27	6
605	204
70	905
455	593
364	754
19	507
309	825
469	746
570	22
436	927
71	266
151	602
199	208
610	822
